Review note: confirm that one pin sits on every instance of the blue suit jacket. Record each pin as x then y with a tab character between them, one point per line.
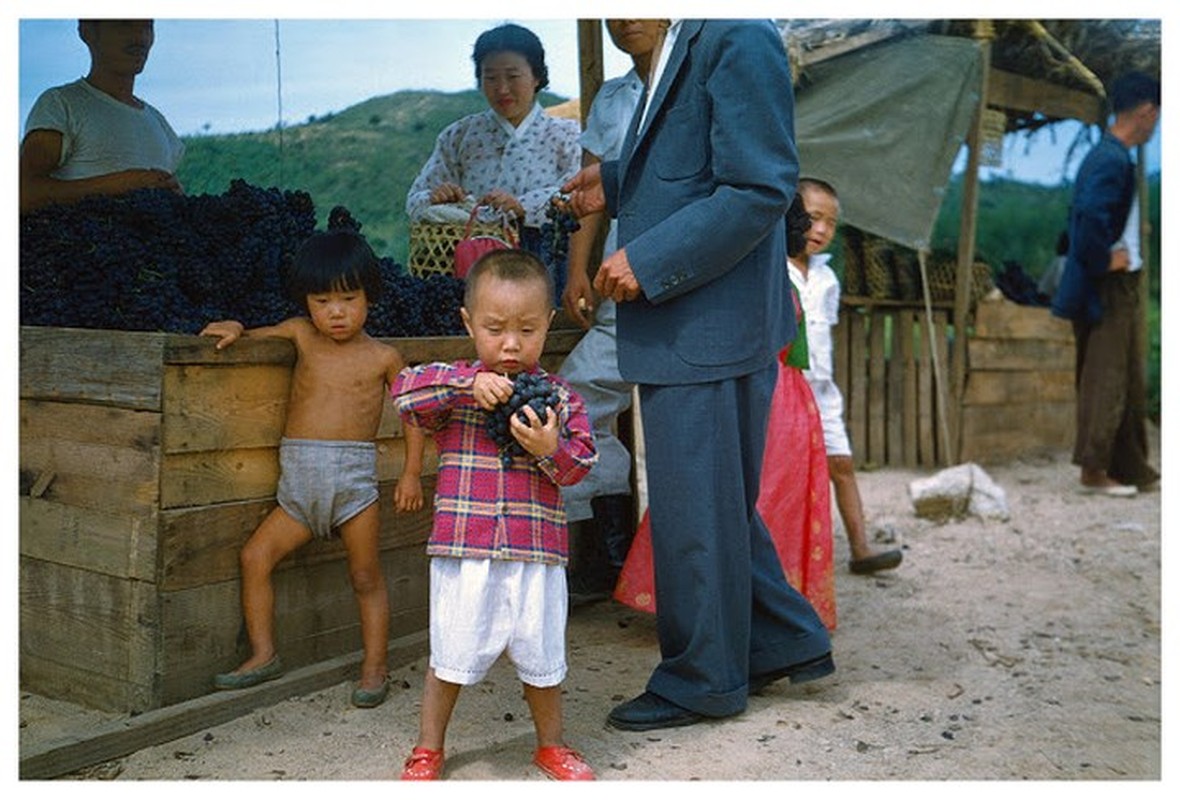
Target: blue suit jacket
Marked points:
700	193
1102	195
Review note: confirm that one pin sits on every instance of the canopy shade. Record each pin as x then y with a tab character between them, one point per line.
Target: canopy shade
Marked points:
884	125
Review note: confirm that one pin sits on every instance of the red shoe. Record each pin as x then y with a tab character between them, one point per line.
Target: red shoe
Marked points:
423	764
563	764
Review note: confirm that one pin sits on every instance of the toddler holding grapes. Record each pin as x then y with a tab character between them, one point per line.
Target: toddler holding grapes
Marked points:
499	542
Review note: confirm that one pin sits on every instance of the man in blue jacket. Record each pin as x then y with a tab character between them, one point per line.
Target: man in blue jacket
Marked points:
700	192
1099	292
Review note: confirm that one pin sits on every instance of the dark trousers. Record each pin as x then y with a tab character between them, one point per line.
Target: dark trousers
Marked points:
725	610
1111	392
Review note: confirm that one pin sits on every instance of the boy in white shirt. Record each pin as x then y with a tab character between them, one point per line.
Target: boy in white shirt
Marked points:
819	291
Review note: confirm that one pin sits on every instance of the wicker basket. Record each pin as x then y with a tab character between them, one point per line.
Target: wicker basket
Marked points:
942	280
854	270
432	244
878	264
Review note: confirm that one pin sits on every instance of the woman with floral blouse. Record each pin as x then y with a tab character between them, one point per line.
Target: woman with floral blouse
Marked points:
513	157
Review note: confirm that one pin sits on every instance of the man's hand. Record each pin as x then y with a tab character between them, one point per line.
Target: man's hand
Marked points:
615	278
1120	260
585	191
578	298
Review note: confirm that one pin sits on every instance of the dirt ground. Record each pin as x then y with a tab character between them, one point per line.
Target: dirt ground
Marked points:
1020	650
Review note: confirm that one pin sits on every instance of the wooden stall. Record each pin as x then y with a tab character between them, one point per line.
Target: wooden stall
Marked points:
146	460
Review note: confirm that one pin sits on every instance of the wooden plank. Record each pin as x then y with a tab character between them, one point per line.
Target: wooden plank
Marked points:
122	737
993	434
908	329
90	456
182	349
82	633
222	476
894	379
1002	387
316	618
224	408
215	476
856	399
1003	319
1020	354
115	368
201	545
1008	90
944	400
841	349
927	455
875	413
113	543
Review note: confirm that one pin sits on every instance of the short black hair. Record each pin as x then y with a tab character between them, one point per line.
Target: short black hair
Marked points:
798	223
514	265
334	261
817	183
1133	89
512	38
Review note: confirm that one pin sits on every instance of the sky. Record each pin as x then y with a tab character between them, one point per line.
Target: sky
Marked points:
216	71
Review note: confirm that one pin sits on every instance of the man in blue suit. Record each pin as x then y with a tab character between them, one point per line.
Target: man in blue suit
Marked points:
700	192
1099	292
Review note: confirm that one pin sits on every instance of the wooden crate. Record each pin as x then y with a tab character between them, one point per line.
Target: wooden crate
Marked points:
1019	399
146	460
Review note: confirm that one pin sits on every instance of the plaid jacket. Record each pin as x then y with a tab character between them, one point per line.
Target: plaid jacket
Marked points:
483	509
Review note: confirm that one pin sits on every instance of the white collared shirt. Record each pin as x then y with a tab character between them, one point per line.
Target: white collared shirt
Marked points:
662	62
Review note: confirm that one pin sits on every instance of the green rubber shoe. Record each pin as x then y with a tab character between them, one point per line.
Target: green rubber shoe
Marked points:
251	677
370	698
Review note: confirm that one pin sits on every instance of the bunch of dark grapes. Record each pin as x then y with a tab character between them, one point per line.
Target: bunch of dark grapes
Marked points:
556	229
154	260
528	389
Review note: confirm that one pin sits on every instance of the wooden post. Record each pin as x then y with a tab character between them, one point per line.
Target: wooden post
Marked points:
984	32
590	66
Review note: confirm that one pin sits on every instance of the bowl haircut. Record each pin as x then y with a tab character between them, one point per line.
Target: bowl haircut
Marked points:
334	261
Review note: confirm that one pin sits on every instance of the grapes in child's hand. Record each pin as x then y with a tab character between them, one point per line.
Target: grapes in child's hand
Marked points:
532	390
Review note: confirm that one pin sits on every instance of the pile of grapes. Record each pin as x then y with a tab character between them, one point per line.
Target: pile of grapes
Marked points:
528	389
153	260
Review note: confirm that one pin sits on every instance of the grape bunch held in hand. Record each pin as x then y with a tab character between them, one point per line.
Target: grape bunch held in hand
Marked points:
532	390
559	223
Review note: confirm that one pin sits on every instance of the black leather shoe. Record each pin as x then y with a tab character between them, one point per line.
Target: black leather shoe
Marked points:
811	670
650	711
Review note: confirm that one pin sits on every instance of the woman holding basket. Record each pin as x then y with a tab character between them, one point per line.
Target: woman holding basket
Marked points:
511	158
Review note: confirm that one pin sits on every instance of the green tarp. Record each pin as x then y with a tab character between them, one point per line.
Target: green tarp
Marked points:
884	124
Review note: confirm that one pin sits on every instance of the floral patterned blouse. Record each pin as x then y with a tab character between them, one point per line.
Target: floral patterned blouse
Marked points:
481	152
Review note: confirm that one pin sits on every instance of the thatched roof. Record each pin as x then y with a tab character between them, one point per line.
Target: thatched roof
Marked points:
1076	54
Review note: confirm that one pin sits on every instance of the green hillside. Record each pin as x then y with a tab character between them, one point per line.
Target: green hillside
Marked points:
363	158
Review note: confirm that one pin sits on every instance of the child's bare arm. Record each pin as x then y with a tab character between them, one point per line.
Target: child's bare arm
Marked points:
407	495
230	330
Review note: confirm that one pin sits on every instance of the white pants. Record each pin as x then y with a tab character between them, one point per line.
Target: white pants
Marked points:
481	608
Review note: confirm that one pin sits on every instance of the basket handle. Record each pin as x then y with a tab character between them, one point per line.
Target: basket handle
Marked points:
509	232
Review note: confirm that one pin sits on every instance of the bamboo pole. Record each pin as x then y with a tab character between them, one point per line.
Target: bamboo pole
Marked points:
983	33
